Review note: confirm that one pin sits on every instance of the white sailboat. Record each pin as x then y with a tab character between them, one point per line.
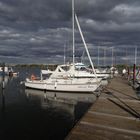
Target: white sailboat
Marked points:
62	80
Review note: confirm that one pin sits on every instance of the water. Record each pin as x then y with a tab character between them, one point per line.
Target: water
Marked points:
138	92
27	114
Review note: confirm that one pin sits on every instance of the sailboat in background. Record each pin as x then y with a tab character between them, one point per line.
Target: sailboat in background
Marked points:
66	80
7	71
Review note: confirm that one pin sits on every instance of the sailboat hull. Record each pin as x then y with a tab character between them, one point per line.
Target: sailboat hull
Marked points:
64	87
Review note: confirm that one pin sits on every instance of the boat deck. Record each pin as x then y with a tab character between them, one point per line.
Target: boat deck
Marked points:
115	115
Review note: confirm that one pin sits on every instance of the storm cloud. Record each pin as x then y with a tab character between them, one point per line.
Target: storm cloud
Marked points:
38	31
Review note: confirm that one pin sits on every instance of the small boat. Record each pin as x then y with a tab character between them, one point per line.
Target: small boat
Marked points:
7	71
83	71
4	70
14	74
61	80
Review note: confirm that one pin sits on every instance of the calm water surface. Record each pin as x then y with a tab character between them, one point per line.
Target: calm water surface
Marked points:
27	114
138	92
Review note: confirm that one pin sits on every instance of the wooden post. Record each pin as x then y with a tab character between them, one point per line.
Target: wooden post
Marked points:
128	75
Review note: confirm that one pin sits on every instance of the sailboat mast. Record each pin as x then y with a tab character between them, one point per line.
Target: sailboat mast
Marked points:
112	56
98	55
73	34
136	55
64	53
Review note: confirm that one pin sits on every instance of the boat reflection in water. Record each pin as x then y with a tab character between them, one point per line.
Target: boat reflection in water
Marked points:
63	110
4	80
61	100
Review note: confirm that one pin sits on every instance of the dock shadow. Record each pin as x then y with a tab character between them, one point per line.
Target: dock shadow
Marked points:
126	108
107	90
108	93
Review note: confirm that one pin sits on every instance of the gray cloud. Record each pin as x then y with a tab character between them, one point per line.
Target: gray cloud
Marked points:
31	29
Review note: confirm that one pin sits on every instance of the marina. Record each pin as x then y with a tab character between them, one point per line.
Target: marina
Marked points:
112	113
69	70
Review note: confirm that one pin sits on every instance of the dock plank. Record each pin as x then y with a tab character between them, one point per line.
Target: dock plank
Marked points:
115	115
112	121
106	106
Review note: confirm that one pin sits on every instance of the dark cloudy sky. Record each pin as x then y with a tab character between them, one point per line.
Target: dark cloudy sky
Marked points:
37	31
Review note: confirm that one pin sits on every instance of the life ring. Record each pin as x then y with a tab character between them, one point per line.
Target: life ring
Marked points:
33	77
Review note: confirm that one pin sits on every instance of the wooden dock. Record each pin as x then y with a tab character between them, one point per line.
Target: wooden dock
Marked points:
114	116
